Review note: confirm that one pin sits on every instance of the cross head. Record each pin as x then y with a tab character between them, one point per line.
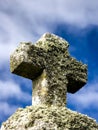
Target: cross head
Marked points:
51	68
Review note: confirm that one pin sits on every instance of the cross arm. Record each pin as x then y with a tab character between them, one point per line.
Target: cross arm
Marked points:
27	60
77	76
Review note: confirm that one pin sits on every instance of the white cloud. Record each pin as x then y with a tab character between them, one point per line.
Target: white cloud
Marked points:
77	12
9	89
86	97
26	21
7	109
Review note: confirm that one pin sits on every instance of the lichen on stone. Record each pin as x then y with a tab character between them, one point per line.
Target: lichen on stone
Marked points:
54	73
49	57
48	118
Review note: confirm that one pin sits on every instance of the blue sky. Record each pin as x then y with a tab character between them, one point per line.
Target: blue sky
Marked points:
76	21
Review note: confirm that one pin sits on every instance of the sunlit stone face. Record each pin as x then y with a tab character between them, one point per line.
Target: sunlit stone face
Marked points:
36	100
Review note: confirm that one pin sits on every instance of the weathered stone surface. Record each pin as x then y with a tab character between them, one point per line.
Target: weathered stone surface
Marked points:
48	118
53	71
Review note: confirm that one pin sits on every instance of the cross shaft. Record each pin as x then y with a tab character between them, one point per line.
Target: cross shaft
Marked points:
51	68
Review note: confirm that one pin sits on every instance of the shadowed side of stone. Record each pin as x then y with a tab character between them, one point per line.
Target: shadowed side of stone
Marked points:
48	118
24	63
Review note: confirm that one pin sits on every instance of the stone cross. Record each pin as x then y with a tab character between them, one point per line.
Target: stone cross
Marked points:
51	68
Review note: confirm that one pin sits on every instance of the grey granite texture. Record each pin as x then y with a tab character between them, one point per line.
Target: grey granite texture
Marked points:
54	73
48	118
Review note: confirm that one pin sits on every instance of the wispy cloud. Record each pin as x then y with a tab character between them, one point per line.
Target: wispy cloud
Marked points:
87	97
21	21
6	109
10	89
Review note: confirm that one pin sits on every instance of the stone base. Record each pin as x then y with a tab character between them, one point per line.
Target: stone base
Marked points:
48	118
